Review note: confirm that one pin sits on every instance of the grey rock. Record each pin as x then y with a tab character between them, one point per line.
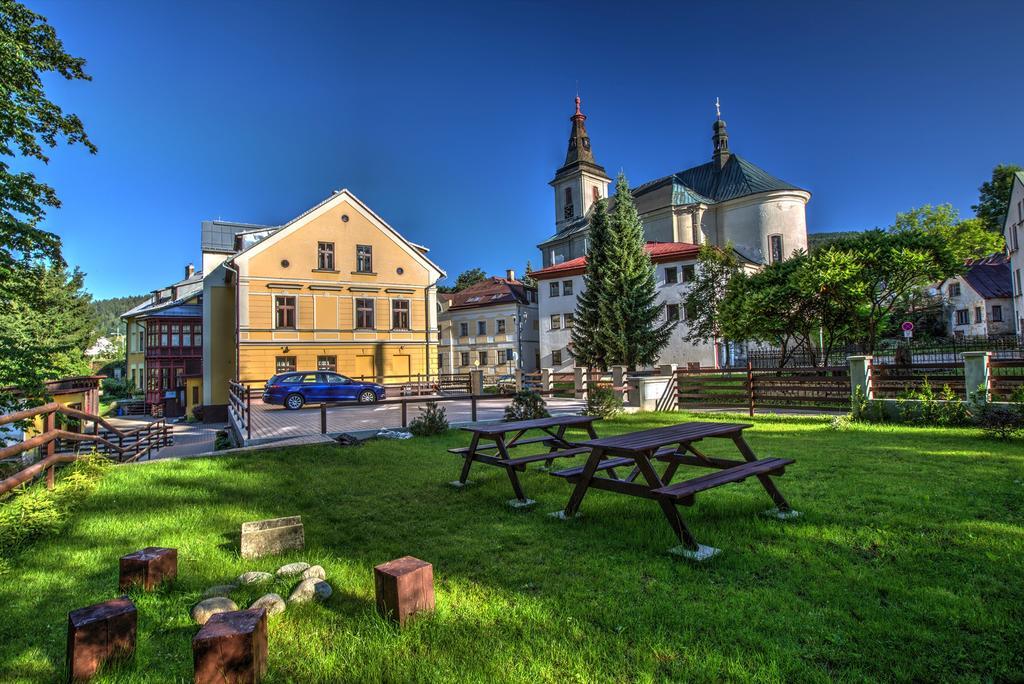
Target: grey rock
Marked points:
310	590
272	603
314	572
219	590
204	610
254	577
292	569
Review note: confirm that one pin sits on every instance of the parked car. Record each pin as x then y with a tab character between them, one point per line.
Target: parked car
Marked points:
506	383
293	390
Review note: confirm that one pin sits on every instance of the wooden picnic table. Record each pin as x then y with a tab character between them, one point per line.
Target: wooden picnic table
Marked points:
673	445
497	452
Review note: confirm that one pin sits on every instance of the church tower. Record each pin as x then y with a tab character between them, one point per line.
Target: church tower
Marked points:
581	181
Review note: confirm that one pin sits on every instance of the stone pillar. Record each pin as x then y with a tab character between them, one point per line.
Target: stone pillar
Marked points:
976	374
404	587
668	369
860	376
519	379
546	383
580	382
476	382
619	384
99	634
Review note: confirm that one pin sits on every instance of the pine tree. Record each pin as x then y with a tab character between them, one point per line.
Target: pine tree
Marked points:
588	330
633	331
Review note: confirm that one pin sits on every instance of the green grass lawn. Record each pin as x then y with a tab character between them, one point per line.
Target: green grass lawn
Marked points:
906	565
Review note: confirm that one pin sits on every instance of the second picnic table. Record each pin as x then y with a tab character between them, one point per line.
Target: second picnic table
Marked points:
495	450
675	445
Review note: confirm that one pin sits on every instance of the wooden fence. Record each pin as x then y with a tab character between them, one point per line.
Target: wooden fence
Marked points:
1006	380
898	381
753	388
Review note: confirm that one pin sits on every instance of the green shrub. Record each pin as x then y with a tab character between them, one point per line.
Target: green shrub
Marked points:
1000	421
32	512
222	440
114	388
433	420
603	403
526	405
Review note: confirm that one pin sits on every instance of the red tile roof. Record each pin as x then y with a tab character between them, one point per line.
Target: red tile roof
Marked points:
660	252
493	290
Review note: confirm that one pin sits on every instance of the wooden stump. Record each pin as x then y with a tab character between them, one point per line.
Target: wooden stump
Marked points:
148	567
404	587
99	634
231	648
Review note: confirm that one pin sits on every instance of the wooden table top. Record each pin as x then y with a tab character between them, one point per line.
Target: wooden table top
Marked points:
536	423
645	440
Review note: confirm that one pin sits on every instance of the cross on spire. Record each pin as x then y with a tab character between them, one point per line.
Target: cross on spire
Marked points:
718	110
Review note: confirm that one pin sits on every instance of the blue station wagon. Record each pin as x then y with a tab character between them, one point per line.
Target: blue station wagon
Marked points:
292	390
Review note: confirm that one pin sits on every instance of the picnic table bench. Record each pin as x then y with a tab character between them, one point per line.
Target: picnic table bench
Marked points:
673	445
496	453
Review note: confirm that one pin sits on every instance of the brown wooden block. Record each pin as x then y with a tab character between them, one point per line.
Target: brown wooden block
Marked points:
99	634
231	648
148	568
404	587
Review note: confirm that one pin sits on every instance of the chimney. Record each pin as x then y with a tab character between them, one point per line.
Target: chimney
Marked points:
510	274
190	271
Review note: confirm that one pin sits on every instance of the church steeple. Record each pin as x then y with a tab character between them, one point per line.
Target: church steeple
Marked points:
720	139
581	181
579	142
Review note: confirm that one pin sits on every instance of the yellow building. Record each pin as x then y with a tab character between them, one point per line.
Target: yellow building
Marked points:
336	288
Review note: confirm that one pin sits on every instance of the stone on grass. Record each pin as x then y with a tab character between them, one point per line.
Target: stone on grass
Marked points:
270	537
219	590
255	577
204	610
272	603
292	569
315	572
310	590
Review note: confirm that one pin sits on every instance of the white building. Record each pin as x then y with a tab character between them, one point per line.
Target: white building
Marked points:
490	326
1013	231
978	302
726	200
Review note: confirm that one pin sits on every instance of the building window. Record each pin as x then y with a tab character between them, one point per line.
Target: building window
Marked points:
186	336
954	289
364	259
464	358
671	275
567	287
963	317
689	272
499	326
400	314
672	312
364	314
977	314
284	307
997	313
568	211
284	364
553	288
197	336
440	361
163	334
175	335
325	256
556	357
327	363
142	340
556	322
1016	282
195	395
567	319
483	357
463	331
501	356
774	248
481	327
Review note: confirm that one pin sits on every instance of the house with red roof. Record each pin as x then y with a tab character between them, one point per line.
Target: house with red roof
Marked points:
979	302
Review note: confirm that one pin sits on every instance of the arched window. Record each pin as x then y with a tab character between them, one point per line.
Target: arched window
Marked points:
568	210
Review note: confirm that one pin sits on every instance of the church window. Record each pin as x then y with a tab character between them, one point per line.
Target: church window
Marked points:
569	211
774	248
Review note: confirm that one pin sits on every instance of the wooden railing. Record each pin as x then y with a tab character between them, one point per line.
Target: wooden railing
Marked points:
751	388
125	445
1006	379
240	407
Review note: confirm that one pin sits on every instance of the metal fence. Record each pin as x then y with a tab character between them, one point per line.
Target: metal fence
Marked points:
900	351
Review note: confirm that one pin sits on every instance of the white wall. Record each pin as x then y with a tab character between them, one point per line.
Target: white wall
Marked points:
1013	231
748	221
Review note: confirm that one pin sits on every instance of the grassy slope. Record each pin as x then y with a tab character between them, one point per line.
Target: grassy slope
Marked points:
905	565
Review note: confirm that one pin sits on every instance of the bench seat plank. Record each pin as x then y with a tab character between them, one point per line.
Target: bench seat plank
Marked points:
564	453
603	465
687	488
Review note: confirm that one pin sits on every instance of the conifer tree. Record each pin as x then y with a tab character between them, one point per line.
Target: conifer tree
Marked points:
633	330
588	331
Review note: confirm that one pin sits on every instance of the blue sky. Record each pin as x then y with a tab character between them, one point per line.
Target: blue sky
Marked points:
449	120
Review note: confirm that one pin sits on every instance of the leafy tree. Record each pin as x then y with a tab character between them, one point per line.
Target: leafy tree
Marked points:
465	279
962	240
631	333
29	124
45	324
715	268
994	197
816	241
588	348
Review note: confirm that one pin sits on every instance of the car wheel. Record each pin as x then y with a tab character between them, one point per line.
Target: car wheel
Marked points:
367	397
294	402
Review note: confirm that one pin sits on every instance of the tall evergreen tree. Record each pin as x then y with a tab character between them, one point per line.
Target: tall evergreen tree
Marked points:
588	333
631	330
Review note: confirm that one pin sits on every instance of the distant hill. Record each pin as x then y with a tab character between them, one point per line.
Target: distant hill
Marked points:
819	240
107	312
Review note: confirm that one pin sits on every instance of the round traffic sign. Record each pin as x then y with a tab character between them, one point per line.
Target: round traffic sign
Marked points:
907	326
